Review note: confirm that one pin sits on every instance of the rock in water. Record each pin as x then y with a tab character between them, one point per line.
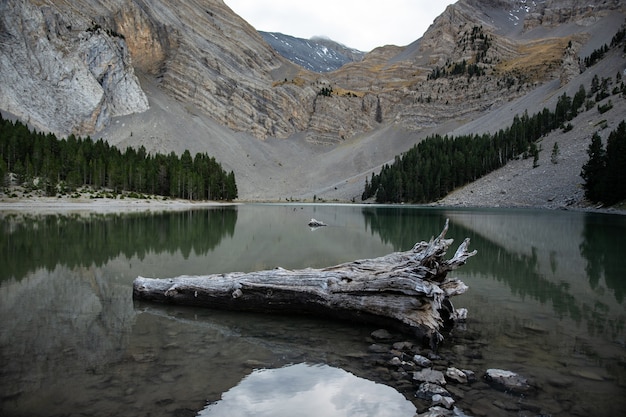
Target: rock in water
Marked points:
507	381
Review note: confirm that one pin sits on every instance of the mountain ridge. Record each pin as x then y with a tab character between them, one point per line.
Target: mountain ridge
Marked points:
315	54
213	84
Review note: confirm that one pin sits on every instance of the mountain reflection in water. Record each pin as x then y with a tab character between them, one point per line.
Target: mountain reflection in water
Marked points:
309	390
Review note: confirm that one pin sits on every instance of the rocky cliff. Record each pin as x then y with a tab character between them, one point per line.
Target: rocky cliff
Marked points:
66	66
63	74
215	85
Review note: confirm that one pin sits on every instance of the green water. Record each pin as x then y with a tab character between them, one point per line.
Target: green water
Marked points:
546	300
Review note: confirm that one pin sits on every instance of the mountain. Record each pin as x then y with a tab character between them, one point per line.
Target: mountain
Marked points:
316	54
196	76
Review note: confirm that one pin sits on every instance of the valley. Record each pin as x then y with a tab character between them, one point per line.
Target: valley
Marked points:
218	88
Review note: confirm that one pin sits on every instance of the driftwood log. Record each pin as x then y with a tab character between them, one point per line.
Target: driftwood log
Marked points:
409	289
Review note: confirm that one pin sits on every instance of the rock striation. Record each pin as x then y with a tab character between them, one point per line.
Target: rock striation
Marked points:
70	66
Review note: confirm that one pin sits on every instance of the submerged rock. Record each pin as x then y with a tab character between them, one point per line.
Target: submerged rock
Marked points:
507	381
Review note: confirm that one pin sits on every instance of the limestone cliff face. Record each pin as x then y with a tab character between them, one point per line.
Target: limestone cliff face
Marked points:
551	13
63	75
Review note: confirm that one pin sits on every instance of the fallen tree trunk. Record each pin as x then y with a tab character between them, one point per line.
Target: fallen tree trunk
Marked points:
410	289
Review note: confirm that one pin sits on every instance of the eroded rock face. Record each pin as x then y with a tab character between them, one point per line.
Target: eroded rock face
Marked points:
61	75
66	67
556	12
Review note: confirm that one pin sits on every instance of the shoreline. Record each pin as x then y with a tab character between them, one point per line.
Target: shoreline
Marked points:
52	205
104	205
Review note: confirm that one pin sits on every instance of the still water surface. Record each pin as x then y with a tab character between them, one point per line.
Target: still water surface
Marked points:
546	299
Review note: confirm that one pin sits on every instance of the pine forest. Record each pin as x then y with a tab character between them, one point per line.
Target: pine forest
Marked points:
41	161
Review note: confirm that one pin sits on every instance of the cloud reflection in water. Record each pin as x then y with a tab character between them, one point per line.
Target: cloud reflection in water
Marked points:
309	390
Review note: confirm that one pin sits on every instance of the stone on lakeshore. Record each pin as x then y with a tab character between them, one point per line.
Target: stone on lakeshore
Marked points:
445	401
456	375
426	391
430	375
422	361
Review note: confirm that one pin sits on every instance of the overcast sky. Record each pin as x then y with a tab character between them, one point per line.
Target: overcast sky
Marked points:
360	24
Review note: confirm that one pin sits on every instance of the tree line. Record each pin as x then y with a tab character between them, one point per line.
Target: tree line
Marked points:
42	161
605	171
599	53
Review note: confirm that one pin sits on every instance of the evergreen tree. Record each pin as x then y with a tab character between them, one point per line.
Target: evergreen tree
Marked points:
554	157
593	171
615	178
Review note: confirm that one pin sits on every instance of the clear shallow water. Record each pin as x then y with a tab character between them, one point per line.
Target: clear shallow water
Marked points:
546	300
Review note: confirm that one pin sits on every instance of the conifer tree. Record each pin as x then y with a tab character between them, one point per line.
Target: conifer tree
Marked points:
594	170
615	179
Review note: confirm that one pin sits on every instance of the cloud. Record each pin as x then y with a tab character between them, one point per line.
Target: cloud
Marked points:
361	24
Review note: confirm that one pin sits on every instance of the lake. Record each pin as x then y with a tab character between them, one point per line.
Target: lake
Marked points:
546	299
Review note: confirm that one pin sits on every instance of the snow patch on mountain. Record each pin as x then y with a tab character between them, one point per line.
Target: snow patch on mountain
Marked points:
316	54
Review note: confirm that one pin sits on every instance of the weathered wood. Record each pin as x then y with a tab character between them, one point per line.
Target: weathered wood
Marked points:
410	289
